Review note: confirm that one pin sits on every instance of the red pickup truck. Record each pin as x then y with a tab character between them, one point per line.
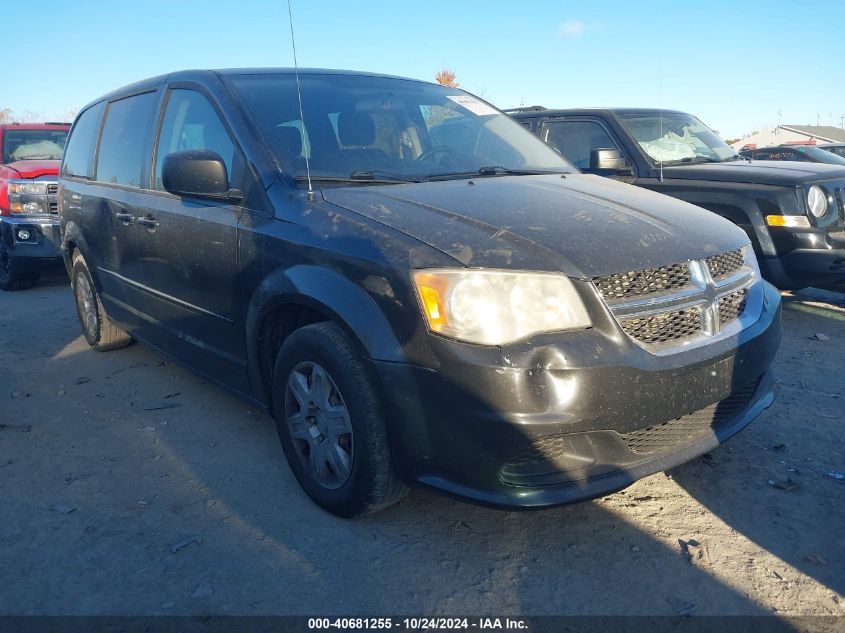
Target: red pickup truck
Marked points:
30	154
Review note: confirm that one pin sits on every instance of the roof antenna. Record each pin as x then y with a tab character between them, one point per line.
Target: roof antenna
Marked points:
311	196
660	102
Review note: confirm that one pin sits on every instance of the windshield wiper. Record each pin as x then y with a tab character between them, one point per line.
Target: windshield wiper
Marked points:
691	160
382	176
364	177
491	170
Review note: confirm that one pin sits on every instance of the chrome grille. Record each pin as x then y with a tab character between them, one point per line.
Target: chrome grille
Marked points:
721	266
52	196
732	305
667	326
668	308
643	282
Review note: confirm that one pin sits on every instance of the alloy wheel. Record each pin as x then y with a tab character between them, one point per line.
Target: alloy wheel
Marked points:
87	304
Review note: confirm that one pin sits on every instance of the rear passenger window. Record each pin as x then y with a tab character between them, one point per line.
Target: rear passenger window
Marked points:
79	152
191	122
123	145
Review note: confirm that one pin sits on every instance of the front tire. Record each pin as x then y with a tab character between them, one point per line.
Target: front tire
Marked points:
10	279
331	423
99	330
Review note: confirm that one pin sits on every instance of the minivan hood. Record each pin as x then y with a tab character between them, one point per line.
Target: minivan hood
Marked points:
579	224
35	168
761	172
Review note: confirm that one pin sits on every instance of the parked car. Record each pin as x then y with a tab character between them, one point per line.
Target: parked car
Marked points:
29	227
801	153
463	311
793	213
836	148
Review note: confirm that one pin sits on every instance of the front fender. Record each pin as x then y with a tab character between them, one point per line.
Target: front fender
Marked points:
330	293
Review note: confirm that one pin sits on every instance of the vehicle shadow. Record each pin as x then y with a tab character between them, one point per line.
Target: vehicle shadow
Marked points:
788	503
267	549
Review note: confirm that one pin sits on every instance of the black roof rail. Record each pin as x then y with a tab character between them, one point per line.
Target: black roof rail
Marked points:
535	108
56	123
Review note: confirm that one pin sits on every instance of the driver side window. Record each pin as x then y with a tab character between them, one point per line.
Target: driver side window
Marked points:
576	140
190	122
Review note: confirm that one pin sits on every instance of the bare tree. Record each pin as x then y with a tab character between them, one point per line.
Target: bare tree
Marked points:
5	115
446	77
69	115
29	116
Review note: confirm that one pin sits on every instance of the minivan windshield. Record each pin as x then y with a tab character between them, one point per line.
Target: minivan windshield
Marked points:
676	138
381	129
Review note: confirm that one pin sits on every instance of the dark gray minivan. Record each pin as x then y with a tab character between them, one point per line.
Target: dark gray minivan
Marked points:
418	289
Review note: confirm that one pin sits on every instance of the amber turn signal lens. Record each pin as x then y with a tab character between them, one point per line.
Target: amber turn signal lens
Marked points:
795	221
432	294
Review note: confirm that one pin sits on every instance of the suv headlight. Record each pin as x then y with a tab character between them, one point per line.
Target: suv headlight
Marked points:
494	307
817	201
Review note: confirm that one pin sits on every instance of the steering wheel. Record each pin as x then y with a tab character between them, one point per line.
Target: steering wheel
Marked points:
444	150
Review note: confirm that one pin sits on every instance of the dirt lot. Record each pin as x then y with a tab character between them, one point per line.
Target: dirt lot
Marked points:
130	486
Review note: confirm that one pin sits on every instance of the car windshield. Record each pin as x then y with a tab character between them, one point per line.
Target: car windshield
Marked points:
33	144
380	129
839	150
819	154
676	138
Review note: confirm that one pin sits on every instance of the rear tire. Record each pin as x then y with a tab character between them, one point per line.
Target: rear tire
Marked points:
99	330
331	423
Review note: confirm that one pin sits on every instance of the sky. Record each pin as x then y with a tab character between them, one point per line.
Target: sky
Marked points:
738	66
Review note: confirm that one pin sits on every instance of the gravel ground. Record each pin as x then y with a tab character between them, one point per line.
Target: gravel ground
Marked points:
131	486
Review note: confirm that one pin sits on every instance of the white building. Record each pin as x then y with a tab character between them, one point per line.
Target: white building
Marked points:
793	134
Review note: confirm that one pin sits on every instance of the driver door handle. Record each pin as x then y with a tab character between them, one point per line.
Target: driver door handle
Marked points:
125	218
149	223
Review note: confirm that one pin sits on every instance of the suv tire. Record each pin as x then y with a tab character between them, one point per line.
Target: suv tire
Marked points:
99	330
331	423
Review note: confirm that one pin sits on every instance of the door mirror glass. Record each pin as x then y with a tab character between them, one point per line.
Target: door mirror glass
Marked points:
196	172
609	160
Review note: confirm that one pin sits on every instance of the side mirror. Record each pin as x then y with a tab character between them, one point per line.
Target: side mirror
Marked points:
197	172
609	160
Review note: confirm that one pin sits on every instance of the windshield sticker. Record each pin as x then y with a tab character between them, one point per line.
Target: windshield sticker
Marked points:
472	104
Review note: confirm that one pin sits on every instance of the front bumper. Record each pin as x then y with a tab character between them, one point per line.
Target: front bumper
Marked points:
41	252
565	418
807	258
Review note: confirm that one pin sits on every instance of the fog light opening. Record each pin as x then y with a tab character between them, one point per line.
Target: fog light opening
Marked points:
24	235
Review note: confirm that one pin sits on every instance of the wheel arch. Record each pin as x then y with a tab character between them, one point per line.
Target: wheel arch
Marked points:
72	241
297	296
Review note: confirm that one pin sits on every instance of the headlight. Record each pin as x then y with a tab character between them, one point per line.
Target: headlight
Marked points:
817	201
28	188
494	307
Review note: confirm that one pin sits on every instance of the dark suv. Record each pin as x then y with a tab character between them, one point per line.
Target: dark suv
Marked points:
793	213
418	289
